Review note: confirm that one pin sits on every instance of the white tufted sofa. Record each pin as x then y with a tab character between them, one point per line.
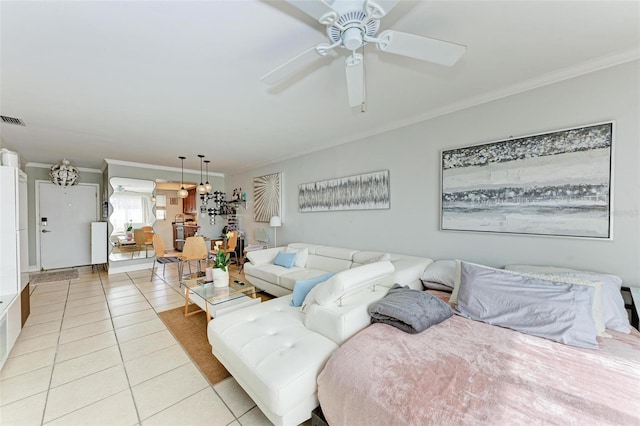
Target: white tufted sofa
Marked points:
275	351
277	280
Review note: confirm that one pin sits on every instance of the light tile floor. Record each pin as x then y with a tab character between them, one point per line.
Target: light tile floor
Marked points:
95	352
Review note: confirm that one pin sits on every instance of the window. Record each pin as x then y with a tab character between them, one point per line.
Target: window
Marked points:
161	204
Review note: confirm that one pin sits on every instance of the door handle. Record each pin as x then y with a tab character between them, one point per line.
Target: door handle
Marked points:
45	231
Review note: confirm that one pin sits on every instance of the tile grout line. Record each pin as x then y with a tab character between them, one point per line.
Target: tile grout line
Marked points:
55	356
126	373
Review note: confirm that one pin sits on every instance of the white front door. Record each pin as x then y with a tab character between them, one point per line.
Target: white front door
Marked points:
65	240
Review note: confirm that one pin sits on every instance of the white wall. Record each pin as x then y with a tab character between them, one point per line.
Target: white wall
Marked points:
412	155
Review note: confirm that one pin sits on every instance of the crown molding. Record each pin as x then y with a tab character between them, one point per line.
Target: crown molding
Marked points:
155	167
48	166
557	76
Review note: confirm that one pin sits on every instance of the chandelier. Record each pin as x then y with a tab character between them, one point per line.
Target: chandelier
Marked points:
63	174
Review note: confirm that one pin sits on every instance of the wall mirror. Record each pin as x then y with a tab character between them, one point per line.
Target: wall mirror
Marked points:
132	218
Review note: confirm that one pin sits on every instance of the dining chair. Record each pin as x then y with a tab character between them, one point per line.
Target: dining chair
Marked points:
232	243
163	257
195	248
148	232
140	237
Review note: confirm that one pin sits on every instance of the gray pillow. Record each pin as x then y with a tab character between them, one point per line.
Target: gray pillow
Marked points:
545	308
409	310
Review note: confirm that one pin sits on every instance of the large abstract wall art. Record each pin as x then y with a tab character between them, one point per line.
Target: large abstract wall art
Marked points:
362	192
266	195
556	183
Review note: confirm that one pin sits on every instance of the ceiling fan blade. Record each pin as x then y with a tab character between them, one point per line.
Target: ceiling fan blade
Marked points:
296	63
418	47
317	9
376	9
355	79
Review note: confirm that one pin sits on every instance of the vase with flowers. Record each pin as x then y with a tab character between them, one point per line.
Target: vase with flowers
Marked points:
129	230
221	261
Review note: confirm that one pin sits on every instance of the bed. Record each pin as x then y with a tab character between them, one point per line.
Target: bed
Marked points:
465	372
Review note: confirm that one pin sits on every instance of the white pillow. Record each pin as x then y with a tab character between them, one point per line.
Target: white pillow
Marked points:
440	271
596	308
301	256
614	313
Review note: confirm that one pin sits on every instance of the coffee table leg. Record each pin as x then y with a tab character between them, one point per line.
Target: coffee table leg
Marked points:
186	301
208	314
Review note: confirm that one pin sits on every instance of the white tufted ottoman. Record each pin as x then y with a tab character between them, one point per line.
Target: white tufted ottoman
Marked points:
273	356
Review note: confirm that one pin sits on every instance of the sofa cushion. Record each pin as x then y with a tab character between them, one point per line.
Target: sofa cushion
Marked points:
302	287
339	322
328	264
270	351
263	257
335	252
363	257
408	270
349	281
272	273
288	280
298	246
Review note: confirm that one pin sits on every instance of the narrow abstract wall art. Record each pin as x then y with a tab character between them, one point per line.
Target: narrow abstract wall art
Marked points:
266	196
360	192
556	183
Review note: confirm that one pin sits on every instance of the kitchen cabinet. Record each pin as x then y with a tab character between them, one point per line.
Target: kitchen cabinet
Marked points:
190	204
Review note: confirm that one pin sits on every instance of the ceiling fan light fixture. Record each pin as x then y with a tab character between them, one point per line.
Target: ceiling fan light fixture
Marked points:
352	38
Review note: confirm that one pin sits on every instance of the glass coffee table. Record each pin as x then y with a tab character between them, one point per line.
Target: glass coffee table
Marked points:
216	301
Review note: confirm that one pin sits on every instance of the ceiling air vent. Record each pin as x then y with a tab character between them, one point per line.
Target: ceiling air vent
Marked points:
12	120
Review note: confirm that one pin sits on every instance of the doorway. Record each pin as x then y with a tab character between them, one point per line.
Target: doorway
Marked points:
64	216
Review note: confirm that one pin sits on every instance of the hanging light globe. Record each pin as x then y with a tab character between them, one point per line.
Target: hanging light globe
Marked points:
63	174
183	193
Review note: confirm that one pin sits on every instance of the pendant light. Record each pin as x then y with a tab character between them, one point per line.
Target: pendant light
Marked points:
64	174
182	193
201	189
207	184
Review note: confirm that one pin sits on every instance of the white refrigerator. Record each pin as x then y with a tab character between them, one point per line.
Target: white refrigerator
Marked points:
14	258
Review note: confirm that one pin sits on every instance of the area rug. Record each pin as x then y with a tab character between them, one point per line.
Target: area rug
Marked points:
191	333
53	276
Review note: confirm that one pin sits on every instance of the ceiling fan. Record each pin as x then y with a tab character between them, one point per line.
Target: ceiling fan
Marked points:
350	25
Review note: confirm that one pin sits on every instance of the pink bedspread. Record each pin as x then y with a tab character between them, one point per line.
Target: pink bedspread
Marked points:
462	372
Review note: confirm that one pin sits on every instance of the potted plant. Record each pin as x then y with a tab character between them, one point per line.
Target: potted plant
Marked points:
129	230
221	261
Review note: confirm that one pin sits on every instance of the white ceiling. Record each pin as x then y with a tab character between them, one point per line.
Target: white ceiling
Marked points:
148	81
